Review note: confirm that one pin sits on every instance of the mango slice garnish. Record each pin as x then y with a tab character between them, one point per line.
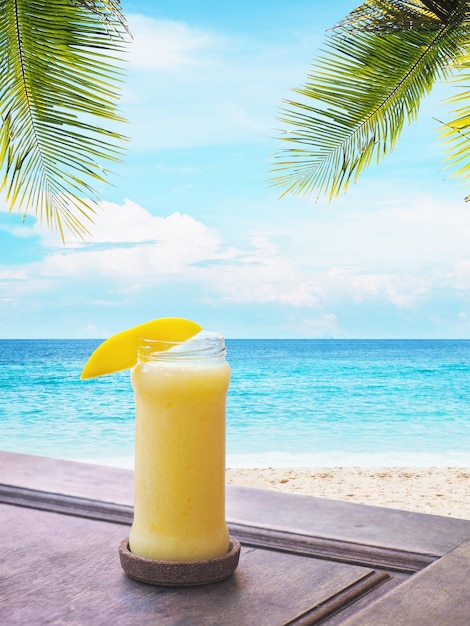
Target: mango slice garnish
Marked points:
119	352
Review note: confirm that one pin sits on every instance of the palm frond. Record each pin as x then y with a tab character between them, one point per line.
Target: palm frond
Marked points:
358	98
109	12
59	63
455	133
386	16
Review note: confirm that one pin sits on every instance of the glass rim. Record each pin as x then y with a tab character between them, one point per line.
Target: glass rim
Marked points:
204	344
202	336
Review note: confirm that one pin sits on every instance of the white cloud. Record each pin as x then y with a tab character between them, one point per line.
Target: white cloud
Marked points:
354	283
166	44
398	232
132	250
130	244
18	286
261	273
460	274
375	286
13	274
92	331
307	265
301	295
304	294
187	86
325	325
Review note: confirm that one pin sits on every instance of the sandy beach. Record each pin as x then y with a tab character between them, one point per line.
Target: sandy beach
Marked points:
437	490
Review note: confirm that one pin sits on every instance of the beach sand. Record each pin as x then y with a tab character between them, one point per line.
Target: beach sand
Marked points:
437	490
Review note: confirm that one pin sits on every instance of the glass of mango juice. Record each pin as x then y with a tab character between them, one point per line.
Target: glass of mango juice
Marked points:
180	378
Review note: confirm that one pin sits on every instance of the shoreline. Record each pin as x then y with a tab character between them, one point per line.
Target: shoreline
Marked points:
434	490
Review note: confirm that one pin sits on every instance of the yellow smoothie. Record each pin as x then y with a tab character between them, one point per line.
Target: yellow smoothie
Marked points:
179	493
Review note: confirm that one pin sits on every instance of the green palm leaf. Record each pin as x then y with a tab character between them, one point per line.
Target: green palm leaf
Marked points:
364	88
384	16
456	133
60	78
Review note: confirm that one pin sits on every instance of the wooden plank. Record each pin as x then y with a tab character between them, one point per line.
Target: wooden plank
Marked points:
392	529
437	596
333	549
85	480
53	563
294	543
67	505
375	536
65	570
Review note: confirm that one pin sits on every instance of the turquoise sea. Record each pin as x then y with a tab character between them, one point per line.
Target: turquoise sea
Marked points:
292	403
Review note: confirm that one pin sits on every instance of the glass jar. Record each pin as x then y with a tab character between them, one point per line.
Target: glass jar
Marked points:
179	494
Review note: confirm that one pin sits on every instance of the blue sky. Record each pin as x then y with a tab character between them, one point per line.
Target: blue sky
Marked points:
191	227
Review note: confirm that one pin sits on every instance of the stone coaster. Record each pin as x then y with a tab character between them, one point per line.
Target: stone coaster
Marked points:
179	573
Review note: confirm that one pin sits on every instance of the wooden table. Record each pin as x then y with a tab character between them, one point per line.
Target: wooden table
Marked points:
304	560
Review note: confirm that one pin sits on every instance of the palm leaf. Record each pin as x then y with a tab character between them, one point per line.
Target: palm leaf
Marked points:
384	16
109	12
359	96
60	78
456	132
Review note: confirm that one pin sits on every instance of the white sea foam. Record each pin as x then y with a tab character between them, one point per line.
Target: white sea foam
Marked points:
347	459
317	459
